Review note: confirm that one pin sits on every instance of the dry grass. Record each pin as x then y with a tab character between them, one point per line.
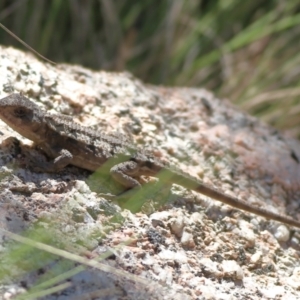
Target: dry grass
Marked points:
243	50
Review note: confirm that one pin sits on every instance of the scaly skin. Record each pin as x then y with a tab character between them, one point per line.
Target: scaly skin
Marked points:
70	143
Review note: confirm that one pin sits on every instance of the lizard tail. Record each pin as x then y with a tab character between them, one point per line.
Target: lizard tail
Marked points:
188	182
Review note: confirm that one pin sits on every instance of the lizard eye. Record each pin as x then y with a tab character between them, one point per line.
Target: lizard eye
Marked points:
19	112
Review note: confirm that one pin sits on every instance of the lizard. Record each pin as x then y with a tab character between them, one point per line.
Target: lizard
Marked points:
67	142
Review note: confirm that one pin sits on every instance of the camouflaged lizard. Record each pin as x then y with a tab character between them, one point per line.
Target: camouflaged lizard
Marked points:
67	142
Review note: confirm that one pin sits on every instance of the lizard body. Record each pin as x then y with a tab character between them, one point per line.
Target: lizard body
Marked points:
70	143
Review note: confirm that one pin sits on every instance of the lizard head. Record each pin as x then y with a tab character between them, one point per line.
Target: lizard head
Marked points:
22	115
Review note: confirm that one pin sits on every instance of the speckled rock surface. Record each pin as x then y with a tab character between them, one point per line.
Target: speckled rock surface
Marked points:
183	249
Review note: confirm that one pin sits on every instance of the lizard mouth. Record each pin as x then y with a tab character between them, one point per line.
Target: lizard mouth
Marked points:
23	126
9	119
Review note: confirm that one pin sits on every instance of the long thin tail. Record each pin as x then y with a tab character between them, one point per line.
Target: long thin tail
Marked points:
188	182
243	205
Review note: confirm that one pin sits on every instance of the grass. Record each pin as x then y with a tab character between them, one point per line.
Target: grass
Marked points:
246	51
56	275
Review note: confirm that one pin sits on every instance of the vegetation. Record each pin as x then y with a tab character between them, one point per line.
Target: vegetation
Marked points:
246	51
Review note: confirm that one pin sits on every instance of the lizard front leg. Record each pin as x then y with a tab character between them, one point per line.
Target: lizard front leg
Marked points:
125	172
60	162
